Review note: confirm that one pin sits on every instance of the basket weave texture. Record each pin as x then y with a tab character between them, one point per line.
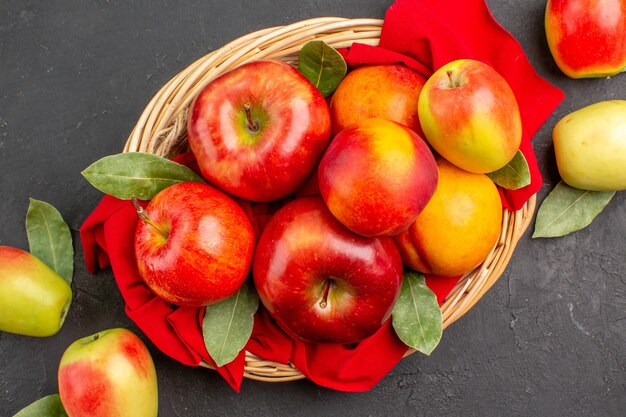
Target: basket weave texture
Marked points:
161	130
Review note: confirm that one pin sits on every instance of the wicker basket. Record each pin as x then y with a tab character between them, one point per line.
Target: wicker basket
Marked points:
161	130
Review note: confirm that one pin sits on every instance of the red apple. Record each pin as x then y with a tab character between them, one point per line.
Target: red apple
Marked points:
110	373
376	176
320	281
470	116
390	91
259	130
34	299
587	38
194	245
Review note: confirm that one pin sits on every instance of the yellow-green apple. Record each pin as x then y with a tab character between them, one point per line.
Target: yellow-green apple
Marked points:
590	146
376	176
470	116
390	91
109	373
194	245
34	299
259	130
458	227
320	281
587	38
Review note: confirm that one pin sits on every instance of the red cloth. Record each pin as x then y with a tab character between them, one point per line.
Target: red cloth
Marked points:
424	34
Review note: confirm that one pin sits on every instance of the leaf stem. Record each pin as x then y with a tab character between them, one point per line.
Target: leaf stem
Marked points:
143	216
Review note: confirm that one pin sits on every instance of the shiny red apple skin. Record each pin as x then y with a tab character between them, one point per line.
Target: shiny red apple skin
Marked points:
301	248
206	254
294	129
109	373
587	38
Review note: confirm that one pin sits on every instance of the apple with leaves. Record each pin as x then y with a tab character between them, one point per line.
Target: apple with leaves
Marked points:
193	245
259	130
470	116
34	299
320	281
109	373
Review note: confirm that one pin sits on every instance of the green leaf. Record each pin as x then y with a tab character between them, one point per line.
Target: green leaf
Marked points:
49	238
227	325
416	317
322	65
567	209
49	406
136	174
513	175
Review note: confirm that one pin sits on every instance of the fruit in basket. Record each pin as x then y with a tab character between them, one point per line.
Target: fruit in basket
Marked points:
470	116
376	176
458	228
110	373
34	299
587	38
320	281
193	245
390	91
590	146
259	130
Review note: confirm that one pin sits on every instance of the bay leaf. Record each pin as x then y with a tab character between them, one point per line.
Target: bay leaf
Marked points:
49	406
567	209
416	317
49	238
322	65
227	325
137	174
513	175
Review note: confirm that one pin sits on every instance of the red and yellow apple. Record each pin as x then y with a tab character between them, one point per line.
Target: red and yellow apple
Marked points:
590	146
470	116
194	245
110	373
34	300
390	91
259	130
587	38
320	281
376	176
458	227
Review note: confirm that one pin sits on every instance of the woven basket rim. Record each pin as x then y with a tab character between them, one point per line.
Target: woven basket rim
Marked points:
161	130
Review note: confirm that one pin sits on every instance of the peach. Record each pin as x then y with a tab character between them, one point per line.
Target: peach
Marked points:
390	91
458	227
376	176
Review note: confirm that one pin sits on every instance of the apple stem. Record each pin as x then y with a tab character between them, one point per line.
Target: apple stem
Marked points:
452	83
141	213
324	300
252	126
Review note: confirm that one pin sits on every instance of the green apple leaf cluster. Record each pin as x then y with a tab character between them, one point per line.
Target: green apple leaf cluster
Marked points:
49	238
227	325
513	175
136	174
567	209
49	406
416	316
322	65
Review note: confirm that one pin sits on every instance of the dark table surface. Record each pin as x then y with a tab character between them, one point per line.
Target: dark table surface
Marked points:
549	339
